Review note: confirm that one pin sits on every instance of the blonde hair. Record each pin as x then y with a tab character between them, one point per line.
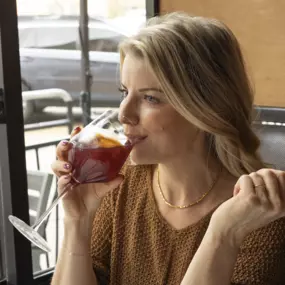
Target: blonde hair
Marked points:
199	65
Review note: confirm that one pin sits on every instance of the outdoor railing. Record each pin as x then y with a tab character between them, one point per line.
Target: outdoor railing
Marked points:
50	94
36	148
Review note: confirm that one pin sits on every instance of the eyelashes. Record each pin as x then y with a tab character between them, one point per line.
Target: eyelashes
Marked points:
149	98
123	93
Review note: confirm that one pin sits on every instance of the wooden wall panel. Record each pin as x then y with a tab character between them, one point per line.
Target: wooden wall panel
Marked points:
260	27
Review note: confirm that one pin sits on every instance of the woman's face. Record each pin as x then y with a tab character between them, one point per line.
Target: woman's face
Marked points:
160	132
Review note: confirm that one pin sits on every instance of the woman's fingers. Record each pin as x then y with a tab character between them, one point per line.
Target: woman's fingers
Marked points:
63	182
259	200
274	188
62	150
75	131
244	186
281	181
261	189
266	186
64	146
60	167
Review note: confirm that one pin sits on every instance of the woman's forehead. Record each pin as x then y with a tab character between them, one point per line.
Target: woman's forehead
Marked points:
137	70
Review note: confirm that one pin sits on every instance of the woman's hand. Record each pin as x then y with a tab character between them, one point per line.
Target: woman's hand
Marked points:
81	201
259	199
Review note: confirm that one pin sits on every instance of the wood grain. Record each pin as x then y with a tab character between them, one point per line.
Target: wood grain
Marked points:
260	28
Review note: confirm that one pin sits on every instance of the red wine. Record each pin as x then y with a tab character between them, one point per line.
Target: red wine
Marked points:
97	164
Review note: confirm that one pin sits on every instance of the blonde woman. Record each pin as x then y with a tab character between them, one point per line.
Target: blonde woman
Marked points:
196	205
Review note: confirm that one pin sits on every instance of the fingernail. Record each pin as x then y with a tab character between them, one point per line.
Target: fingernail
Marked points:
66	166
66	176
77	129
64	142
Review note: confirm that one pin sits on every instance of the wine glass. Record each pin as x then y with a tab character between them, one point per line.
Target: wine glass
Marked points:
97	155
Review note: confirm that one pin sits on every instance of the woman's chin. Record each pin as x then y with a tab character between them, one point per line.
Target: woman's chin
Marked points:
137	158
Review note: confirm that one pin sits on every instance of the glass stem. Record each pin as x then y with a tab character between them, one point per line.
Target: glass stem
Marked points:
38	223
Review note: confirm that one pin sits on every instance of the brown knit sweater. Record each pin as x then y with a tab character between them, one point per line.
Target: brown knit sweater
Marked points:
132	244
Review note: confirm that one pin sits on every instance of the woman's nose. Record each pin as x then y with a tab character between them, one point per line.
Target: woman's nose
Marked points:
128	112
128	121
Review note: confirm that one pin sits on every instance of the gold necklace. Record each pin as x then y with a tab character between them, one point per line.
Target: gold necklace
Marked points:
193	203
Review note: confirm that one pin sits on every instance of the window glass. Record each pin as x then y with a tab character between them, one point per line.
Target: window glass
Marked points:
63	33
50	59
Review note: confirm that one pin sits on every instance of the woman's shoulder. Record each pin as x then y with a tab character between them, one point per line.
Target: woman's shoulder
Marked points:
271	235
134	173
137	179
262	256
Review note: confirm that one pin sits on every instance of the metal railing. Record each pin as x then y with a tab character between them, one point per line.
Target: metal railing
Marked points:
41	95
50	94
36	148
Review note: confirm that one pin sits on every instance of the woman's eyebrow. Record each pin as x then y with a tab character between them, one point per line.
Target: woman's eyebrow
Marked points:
150	89
145	89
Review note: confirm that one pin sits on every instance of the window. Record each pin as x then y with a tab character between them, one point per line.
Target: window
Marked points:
63	34
106	45
49	58
16	251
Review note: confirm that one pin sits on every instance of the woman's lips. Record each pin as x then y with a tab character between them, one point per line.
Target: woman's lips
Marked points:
135	139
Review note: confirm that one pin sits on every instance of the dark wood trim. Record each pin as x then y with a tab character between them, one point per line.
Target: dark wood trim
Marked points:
18	261
152	8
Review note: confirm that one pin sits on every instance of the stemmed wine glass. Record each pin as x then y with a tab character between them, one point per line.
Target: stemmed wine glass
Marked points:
97	155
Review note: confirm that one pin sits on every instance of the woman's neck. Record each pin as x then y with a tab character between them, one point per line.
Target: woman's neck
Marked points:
185	180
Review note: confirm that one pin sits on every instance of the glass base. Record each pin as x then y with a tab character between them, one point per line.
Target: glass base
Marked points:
29	233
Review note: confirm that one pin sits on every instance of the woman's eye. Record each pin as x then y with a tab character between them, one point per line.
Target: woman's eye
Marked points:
151	99
123	92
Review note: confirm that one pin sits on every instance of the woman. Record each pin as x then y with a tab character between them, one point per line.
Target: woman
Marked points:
196	205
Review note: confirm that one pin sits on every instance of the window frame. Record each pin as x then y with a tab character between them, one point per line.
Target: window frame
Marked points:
16	249
152	8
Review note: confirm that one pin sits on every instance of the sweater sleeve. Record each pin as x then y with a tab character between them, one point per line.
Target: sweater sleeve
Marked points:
261	259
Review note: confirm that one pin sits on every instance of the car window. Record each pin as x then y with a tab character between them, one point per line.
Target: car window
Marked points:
65	36
37	36
67	46
104	38
106	45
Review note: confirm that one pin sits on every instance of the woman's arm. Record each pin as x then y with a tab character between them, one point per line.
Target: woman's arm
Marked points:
74	265
213	263
259	199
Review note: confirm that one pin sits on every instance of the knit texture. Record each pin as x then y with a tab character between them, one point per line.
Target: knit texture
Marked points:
132	244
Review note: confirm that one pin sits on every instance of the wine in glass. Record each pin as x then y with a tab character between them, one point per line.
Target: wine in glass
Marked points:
97	155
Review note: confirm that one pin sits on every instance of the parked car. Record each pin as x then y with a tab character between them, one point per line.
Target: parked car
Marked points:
50	58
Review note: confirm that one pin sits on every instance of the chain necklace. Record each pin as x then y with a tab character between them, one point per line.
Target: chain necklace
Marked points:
193	203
